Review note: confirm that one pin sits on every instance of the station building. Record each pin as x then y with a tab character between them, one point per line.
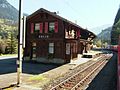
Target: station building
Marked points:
51	38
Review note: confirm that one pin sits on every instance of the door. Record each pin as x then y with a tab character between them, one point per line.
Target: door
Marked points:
33	51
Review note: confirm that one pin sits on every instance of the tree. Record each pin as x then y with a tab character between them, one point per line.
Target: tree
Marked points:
11	44
2	46
98	43
115	33
8	36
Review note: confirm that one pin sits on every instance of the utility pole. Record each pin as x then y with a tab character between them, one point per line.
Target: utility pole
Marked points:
20	43
24	31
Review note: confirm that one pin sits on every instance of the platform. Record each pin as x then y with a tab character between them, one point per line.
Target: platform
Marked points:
85	57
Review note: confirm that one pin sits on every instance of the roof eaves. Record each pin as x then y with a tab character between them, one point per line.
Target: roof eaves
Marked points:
55	15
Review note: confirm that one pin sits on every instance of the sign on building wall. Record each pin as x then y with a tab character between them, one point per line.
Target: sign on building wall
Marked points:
67	48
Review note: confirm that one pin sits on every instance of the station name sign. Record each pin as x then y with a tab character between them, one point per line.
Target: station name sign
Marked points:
43	36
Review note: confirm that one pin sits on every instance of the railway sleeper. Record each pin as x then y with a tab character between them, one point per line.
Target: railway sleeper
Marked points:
68	86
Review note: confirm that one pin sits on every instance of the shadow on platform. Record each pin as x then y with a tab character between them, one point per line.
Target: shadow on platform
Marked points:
9	66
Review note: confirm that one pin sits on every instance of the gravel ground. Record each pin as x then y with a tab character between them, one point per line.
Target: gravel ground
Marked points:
107	78
67	74
52	77
9	79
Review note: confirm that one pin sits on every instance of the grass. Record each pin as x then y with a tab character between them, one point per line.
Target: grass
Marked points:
37	78
8	55
8	89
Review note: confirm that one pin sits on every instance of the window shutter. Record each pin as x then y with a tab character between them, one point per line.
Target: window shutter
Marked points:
32	27
41	27
46	27
78	33
56	27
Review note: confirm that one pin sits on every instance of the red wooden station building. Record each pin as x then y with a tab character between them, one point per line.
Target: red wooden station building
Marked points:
51	38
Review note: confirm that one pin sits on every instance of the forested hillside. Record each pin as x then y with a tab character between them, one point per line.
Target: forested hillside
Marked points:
115	33
8	28
104	38
116	29
117	17
8	36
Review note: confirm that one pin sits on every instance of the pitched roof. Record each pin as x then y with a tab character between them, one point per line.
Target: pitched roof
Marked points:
59	17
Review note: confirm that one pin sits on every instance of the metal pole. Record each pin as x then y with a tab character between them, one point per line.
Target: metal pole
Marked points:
20	32
24	31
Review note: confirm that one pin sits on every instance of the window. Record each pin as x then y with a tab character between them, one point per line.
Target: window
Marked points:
51	27
68	48
33	44
37	27
34	49
34	56
51	48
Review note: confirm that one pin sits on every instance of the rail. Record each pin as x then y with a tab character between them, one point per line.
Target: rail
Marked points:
71	81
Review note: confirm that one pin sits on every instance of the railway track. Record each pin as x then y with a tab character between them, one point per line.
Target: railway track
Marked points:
78	80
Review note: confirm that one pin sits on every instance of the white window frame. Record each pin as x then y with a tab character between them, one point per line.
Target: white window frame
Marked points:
51	48
68	48
37	26
52	27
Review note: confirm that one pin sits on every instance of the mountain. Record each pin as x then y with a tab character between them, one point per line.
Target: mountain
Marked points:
105	34
98	29
117	17
8	28
7	11
104	38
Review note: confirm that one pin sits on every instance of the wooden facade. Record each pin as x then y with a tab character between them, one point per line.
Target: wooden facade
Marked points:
53	39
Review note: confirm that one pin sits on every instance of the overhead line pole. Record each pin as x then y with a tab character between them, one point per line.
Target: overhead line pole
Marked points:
20	43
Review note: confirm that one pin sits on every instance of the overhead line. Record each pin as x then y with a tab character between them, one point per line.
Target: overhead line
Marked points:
73	9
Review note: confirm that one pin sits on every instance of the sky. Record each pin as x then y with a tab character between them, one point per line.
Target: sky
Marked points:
87	13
